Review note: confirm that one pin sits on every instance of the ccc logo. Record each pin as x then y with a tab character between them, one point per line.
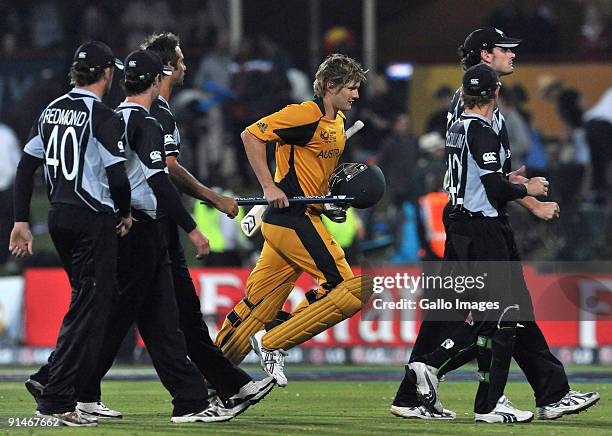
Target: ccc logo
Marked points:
489	157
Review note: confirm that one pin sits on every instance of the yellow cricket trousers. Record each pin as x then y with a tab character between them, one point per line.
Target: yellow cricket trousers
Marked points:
305	246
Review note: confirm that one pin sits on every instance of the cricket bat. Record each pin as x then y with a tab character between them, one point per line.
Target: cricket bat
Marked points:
251	222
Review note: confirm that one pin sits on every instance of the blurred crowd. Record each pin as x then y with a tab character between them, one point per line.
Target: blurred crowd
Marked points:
539	24
226	91
57	24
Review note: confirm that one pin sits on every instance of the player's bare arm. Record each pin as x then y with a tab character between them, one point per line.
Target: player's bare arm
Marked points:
256	153
189	185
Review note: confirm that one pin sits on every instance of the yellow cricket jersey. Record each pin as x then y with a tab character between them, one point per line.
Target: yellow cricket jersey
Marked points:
308	146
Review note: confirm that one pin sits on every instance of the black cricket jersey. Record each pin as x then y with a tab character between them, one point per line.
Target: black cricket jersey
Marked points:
160	109
143	139
498	125
77	137
473	150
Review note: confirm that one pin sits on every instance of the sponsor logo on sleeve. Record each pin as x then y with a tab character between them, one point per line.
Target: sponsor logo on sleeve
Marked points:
262	127
489	157
168	139
155	156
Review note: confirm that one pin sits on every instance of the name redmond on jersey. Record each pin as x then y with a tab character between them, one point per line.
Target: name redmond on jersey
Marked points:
455	140
67	117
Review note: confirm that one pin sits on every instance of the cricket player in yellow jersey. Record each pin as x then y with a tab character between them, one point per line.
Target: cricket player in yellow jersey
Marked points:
310	139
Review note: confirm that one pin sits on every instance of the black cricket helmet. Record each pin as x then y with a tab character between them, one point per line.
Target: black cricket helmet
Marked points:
364	182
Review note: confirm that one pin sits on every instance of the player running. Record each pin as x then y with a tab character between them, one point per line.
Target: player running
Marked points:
310	139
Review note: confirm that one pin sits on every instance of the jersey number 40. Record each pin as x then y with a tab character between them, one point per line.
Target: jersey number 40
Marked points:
51	153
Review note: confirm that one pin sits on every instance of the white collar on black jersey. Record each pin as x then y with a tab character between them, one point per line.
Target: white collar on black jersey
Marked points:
82	91
163	100
126	103
476	116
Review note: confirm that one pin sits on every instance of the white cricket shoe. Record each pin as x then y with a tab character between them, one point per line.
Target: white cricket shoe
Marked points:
272	361
249	394
256	390
98	409
212	413
69	419
427	386
504	413
572	402
421	412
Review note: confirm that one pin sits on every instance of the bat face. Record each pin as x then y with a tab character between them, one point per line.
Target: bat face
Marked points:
248	224
252	220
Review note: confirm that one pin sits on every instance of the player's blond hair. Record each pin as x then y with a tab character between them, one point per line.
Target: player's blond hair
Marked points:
338	69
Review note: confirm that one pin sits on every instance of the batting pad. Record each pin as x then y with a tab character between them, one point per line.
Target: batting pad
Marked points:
342	302
234	340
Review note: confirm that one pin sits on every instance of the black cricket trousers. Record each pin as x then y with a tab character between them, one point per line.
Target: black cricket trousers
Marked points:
225	377
220	372
542	369
146	296
86	242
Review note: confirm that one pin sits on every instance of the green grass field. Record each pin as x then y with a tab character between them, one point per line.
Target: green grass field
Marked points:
319	408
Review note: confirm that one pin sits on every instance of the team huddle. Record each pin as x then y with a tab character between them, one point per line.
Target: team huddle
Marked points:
113	179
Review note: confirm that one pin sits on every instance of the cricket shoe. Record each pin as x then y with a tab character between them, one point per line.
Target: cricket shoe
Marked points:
427	385
69	419
213	397
215	400
212	413
504	413
421	412
572	402
272	361
249	394
35	388
98	409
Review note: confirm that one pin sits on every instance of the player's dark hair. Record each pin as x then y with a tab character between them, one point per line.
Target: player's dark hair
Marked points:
82	75
469	58
135	87
470	101
164	44
338	69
